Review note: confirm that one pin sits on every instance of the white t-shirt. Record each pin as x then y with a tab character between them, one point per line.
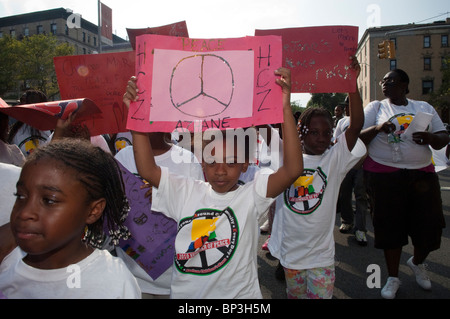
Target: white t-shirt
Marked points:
341	126
160	286
122	140
27	141
415	156
11	154
302	230
9	176
217	237
99	275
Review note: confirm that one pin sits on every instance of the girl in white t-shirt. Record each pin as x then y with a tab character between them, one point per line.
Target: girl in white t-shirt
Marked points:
217	238
68	192
302	231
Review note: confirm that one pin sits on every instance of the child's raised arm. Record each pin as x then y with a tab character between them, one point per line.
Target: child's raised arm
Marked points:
356	111
292	152
142	148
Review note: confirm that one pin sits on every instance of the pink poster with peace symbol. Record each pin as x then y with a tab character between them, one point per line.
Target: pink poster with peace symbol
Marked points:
198	84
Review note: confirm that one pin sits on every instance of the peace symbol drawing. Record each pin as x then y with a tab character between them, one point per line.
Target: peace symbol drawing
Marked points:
211	69
198	86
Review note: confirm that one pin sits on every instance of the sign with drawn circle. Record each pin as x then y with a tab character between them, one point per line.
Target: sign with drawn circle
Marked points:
194	86
211	68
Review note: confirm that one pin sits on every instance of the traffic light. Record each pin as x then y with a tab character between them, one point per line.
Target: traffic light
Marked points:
386	50
391	49
383	50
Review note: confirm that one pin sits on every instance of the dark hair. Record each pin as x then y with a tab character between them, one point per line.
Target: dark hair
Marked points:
308	114
404	78
244	139
32	97
100	174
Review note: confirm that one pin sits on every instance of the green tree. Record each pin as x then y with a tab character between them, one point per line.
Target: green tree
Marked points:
296	106
36	66
30	63
8	65
326	100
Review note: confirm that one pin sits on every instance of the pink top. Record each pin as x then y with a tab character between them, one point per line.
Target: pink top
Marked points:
374	167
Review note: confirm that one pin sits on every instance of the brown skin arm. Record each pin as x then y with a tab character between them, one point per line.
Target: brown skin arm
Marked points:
356	111
292	153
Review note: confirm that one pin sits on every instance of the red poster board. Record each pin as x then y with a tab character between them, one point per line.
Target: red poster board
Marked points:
182	79
319	57
43	116
177	29
101	78
106	30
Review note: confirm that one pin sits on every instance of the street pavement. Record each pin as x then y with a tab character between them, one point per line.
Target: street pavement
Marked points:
352	264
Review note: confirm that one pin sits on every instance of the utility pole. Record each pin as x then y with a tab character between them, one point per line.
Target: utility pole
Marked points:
99	26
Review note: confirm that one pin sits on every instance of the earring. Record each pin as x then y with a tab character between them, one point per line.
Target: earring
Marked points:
86	233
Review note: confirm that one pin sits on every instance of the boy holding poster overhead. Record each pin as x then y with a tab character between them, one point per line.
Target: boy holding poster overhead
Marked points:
217	220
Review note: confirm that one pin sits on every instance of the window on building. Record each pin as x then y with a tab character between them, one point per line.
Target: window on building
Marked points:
427	63
427	41
54	28
445	62
444	40
95	41
12	33
1	34
39	29
427	86
67	30
393	64
84	36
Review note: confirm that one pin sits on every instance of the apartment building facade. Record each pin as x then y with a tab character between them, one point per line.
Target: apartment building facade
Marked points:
83	37
420	50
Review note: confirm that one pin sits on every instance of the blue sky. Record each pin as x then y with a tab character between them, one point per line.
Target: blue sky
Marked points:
236	18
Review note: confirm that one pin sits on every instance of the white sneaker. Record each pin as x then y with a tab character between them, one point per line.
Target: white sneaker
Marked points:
421	274
264	227
390	289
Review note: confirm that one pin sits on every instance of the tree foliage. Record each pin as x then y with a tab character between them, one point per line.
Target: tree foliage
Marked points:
440	99
28	63
326	100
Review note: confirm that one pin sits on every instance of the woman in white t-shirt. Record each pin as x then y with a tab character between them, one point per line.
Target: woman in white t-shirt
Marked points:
400	177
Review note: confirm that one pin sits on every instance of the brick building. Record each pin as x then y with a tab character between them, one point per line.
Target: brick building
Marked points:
421	51
84	39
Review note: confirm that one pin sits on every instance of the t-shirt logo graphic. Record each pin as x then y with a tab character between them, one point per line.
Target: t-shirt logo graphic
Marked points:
305	195
403	121
212	236
203	230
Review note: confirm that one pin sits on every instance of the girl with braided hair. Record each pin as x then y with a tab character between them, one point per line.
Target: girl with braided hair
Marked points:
302	232
68	193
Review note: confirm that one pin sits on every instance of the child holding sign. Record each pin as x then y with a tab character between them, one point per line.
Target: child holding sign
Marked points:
65	192
218	220
302	231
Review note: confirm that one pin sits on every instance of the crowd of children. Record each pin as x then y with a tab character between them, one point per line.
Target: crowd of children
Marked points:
60	231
